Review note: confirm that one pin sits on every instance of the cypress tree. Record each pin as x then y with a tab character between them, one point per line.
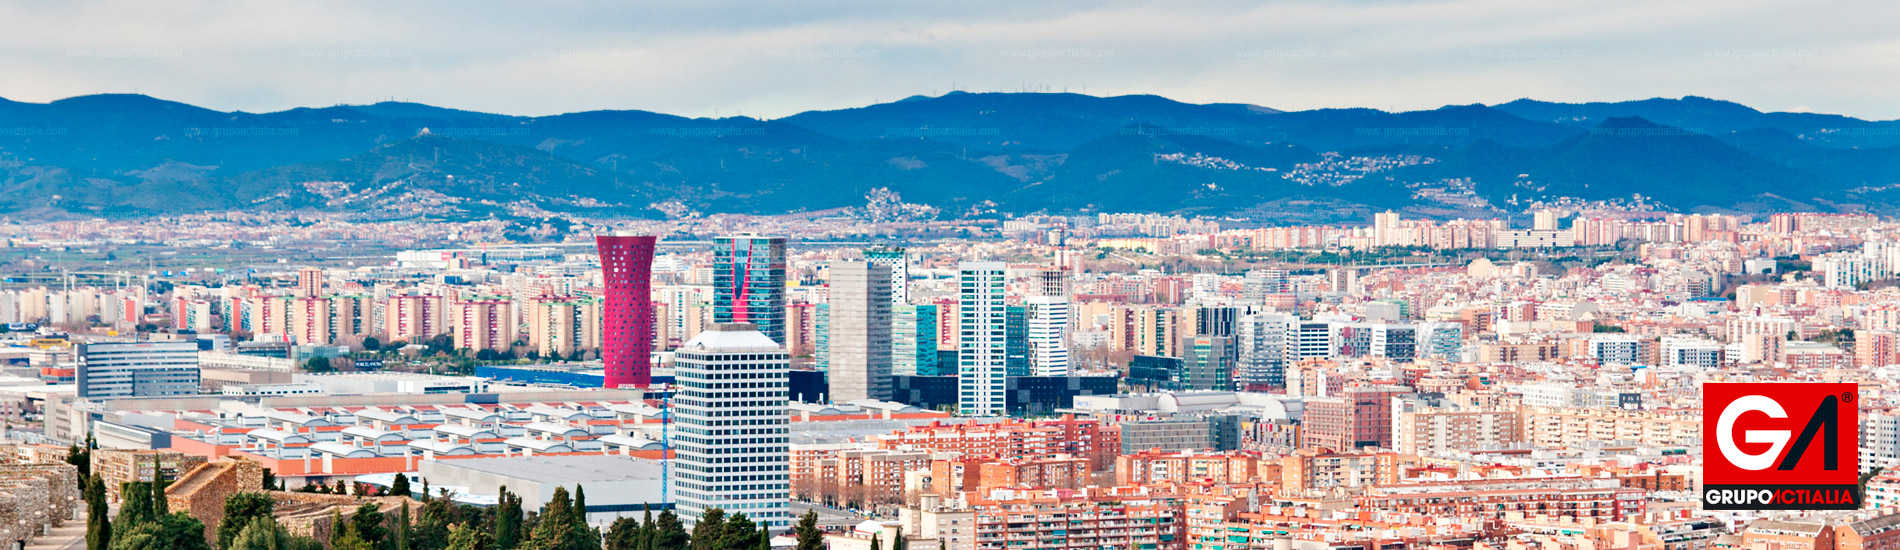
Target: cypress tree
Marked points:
98	526
644	541
402	527
580	502
507	521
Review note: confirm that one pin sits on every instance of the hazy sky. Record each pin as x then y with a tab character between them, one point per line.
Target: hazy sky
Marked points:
776	57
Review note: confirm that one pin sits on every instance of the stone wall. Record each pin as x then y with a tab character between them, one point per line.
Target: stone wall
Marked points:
202	491
308	514
41	495
117	467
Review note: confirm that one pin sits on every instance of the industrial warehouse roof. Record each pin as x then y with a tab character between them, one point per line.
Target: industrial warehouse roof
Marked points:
562	469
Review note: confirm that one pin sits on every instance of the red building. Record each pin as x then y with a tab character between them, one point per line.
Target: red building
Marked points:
1360	417
626	264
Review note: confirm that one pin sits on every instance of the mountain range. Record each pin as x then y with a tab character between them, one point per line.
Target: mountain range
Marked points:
966	154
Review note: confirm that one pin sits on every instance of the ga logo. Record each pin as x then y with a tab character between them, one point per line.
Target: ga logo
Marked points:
1780	446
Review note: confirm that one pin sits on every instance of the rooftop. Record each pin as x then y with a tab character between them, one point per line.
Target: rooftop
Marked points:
563	469
732	337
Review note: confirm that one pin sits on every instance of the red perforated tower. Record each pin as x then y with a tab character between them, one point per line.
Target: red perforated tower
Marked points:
626	264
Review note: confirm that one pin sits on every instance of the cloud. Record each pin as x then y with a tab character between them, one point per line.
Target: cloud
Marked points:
773	58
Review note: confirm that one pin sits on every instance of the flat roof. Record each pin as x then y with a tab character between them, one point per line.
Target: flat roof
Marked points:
562	469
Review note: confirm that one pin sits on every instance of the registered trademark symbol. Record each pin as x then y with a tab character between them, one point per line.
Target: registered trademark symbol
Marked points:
1847	397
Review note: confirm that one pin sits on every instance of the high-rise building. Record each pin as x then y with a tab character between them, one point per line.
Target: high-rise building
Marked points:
749	282
562	326
802	327
310	321
1016	341
914	341
309	282
730	443
821	334
414	319
858	321
898	262
1262	339
1208	362
1048	335
1545	220
484	323
982	347
1214	321
137	369
626	266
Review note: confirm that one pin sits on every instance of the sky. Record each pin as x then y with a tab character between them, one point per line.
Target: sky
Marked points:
773	58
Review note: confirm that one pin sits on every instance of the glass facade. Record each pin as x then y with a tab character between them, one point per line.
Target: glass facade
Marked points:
749	282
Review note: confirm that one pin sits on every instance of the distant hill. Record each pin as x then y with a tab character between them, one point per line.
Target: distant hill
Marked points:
964	153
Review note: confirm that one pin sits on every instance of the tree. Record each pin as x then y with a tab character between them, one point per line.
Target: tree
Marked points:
707	533
740	533
136	507
372	344
464	537
874	543
809	536
507	521
177	531
239	512
260	533
668	532
318	364
625	533
81	458
580	504
98	526
161	506
400	487
346	538
432	525
140	536
560	526
368	522
402	527
270	480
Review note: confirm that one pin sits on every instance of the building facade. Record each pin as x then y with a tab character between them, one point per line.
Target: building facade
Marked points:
626	265
982	348
749	283
730	439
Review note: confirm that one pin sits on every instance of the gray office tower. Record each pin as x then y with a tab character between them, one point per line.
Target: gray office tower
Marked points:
859	325
1263	349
